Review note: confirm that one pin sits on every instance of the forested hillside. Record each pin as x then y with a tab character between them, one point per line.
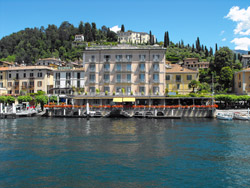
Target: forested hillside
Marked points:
33	43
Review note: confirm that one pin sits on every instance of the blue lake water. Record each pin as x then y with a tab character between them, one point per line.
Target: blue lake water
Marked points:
46	152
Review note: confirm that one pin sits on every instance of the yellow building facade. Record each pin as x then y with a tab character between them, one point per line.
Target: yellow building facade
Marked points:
178	78
242	82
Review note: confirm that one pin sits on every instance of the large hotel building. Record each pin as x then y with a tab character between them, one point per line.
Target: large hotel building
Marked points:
124	69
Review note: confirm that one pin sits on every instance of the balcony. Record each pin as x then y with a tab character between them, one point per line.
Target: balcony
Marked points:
156	69
156	59
106	81
141	81
92	81
156	81
106	69
123	69
92	60
91	69
123	81
24	87
178	80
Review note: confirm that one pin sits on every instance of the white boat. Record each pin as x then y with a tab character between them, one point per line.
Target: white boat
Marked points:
224	116
241	116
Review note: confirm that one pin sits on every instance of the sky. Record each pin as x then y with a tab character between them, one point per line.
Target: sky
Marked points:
225	22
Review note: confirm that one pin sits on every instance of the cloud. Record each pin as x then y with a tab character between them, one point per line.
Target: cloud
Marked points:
222	32
115	28
241	43
224	39
242	18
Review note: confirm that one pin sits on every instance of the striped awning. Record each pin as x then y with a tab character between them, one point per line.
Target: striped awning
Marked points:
130	99
117	99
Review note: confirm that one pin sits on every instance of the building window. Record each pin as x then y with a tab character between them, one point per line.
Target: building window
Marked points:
129	67
118	78
91	89
16	91
9	91
178	86
78	75
1	77
106	58
1	84
167	77
155	90
118	67
156	78
92	67
9	75
142	58
39	74
68	75
239	76
106	89
24	75
106	78
31	75
239	84
92	58
128	78
156	57
9	84
178	78
129	57
39	83
78	84
118	89
167	86
142	66
142	77
106	67
141	89
58	75
156	66
189	77
118	58
92	78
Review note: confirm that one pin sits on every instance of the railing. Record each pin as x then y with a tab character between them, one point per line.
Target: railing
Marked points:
92	70
142	60
156	69
123	81
92	60
91	81
106	81
106	69
156	81
156	60
123	69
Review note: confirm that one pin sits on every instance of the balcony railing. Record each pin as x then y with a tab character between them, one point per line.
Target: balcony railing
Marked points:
106	81
142	59
91	81
123	81
178	80
156	60
92	60
107	60
156	69
106	69
123	69
156	81
92	70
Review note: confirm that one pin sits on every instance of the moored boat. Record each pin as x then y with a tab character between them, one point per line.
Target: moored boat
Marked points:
241	116
224	116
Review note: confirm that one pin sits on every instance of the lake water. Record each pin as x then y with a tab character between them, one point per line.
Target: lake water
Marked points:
46	152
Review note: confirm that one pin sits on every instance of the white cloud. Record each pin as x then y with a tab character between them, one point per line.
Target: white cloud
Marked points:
242	18
241	43
222	32
224	39
115	28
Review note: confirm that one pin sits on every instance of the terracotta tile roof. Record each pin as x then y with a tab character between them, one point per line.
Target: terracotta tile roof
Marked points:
4	68
175	68
29	68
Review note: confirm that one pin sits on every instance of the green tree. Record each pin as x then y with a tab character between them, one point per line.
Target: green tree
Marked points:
42	99
226	78
24	98
81	28
193	84
10	99
87	33
223	58
93	30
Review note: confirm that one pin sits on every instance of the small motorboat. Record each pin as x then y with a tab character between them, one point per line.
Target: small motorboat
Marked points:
241	116
224	116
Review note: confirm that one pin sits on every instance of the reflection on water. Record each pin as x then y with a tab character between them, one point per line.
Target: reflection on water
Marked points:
46	152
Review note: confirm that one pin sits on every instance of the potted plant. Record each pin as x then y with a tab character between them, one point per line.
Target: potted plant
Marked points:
131	93
113	93
86	93
97	91
123	91
142	93
106	92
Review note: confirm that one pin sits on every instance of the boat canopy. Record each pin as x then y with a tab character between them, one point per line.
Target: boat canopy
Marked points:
117	99
130	99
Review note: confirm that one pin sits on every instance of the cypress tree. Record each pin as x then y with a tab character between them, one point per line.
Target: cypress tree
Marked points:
198	47
192	47
93	31
206	51
150	37
216	48
211	51
202	48
87	33
167	40
81	28
122	28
